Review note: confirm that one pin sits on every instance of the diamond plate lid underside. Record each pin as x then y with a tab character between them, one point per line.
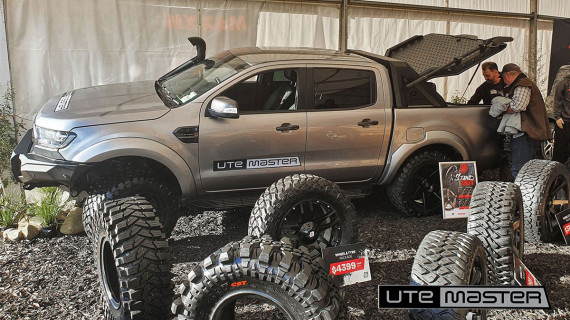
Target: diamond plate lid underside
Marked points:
428	53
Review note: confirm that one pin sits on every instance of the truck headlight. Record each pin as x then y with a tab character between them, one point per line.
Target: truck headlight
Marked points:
52	139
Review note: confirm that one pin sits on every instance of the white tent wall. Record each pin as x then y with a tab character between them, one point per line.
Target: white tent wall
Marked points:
298	25
56	46
555	8
4	65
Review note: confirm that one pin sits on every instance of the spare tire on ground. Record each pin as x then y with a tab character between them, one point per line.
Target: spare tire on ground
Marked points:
496	218
260	274
449	258
131	254
306	209
545	188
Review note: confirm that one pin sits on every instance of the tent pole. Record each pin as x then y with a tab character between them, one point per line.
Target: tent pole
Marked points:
343	26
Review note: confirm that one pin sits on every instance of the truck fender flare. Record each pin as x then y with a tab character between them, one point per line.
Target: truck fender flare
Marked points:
146	148
400	155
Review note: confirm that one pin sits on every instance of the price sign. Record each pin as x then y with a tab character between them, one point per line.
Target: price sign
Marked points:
348	264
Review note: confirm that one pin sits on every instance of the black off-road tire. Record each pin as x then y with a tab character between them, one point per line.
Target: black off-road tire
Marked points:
126	182
404	187
294	281
131	253
281	201
448	258
496	218
541	182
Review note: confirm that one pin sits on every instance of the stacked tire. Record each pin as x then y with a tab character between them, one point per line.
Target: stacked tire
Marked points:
287	282
545	191
449	258
496	218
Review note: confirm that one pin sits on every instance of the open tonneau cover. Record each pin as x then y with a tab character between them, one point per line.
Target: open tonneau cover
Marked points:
439	55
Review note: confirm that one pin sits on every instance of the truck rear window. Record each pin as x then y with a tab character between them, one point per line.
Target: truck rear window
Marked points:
343	88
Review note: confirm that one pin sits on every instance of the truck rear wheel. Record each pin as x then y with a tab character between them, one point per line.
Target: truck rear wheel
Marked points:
130	182
415	191
260	273
306	209
449	258
131	253
545	188
496	218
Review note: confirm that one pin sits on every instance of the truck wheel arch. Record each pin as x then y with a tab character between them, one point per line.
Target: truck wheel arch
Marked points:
439	140
145	149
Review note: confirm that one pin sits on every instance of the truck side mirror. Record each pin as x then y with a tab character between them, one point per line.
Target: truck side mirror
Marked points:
223	107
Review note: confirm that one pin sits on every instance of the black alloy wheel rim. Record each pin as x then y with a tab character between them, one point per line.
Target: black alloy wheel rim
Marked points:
424	188
311	220
558	190
225	308
109	274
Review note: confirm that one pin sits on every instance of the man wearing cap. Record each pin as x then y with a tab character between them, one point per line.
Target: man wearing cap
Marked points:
562	116
492	87
526	100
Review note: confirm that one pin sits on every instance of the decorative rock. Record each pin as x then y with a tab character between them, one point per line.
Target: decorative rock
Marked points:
13	235
73	223
29	231
62	215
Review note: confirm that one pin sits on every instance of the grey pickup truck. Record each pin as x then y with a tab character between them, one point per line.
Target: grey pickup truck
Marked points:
215	132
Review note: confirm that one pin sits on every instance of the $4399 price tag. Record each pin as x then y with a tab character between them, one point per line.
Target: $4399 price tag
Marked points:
346	266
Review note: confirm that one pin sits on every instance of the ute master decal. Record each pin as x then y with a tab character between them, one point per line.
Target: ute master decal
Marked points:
242	164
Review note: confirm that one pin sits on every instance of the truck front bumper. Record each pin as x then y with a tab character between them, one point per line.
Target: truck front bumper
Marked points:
35	170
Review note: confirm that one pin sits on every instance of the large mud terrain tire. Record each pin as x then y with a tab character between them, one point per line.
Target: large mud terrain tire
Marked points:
307	209
132	260
243	275
448	258
415	190
129	182
545	191
496	218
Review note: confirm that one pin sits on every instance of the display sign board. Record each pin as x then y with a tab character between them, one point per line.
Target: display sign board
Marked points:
457	180
349	263
523	276
563	218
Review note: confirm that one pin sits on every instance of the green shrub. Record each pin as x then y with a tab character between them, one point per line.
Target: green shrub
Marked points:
49	206
11	211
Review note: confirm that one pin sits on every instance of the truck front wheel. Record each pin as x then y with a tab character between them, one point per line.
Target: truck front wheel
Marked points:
415	191
125	182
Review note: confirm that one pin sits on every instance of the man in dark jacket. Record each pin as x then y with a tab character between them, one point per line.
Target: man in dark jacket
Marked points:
562	116
526	99
492	87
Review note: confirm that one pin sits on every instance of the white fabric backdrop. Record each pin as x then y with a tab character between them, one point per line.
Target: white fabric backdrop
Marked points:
60	45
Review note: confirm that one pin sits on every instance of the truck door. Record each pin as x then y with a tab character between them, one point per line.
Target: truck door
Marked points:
266	142
346	123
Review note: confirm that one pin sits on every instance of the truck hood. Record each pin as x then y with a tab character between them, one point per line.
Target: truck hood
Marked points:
439	55
115	103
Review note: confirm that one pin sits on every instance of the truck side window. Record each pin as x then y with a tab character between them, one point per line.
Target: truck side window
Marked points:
270	91
343	88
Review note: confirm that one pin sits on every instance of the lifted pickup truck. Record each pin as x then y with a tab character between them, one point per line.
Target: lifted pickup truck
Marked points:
218	131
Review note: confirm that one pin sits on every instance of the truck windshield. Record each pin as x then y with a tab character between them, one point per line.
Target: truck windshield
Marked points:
193	82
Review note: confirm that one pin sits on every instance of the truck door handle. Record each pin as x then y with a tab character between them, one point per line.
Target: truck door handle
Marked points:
287	127
366	123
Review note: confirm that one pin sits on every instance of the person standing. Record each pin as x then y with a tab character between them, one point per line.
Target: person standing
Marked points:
562	117
492	87
526	100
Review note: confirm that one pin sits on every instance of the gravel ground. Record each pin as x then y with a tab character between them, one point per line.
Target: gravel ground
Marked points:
56	278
